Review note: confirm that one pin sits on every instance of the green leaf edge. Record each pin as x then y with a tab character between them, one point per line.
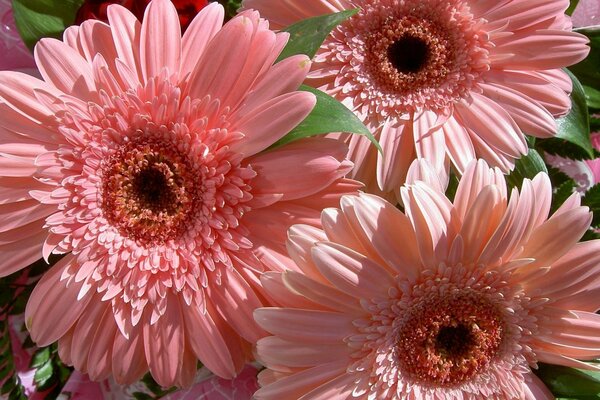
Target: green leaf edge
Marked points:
294	134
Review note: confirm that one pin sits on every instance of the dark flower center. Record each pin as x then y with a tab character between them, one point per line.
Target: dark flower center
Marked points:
154	190
454	341
408	54
444	340
149	191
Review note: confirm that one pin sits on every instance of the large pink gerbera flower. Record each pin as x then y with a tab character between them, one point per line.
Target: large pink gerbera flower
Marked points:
445	301
449	81
140	157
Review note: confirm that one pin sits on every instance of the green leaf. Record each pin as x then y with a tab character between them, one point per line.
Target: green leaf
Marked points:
570	383
40	357
307	35
329	115
453	182
575	126
142	396
36	19
592	96
526	167
43	375
592	200
588	70
572	7
8	385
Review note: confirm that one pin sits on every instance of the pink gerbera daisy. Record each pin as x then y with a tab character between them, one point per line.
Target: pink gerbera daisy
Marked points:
444	80
140	156
445	301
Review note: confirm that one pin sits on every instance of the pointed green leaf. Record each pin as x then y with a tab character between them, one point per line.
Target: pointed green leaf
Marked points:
40	357
36	19
592	96
307	35
329	115
575	126
528	167
43	375
570	383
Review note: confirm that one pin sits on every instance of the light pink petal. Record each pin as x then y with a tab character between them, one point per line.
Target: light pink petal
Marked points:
198	34
234	290
517	15
307	326
96	38
100	356
223	58
263	51
14	215
301	239
84	329
544	49
477	176
390	233
164	343
128	359
535	389
321	294
160	39
343	227
547	88
18	255
279	294
350	271
331	195
272	121
392	165
65	68
296	385
320	159
275	350
53	306
126	32
573	333
582	264
285	12
486	119
283	77
423	170
338	388
481	221
17	91
212	341
430	213
459	146
532	118
430	142
16	167
556	236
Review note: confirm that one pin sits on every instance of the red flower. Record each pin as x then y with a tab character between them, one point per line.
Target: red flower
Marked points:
96	9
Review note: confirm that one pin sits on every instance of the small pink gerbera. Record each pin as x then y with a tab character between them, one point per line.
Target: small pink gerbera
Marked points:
140	157
444	80
445	301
